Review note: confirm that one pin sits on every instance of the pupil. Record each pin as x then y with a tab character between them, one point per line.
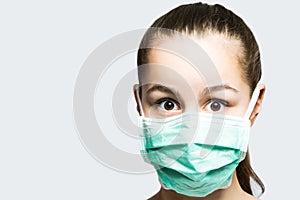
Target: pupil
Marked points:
169	105
215	106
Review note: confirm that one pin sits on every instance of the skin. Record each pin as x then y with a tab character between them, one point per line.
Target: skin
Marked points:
231	97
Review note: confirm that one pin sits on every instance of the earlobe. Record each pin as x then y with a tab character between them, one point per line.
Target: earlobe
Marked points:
135	91
258	105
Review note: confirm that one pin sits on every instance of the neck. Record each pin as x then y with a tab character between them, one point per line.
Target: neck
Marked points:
233	192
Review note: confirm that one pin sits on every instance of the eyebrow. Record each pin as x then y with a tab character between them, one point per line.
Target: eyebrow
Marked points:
162	88
217	88
205	92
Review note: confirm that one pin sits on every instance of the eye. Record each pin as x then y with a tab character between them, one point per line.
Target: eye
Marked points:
216	105
168	105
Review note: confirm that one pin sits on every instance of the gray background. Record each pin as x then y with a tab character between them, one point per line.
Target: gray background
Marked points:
43	45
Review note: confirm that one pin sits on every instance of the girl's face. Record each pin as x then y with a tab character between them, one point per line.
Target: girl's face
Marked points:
165	95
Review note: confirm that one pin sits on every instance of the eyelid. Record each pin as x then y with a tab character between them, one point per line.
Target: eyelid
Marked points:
159	101
165	90
225	103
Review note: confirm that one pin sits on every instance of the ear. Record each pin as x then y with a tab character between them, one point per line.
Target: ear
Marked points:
258	105
136	97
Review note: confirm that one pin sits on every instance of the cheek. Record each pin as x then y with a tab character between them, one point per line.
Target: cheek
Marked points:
145	107
240	109
148	109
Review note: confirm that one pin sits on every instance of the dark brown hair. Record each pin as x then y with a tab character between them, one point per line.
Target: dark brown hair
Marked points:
204	19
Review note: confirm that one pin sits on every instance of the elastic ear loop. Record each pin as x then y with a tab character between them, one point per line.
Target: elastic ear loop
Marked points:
139	101
252	102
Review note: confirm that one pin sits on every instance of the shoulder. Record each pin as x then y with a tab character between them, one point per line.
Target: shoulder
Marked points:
155	197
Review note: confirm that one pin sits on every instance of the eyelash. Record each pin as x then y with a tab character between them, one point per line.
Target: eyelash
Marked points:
223	102
158	102
219	101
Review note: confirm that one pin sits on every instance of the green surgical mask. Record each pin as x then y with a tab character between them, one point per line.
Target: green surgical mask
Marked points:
195	154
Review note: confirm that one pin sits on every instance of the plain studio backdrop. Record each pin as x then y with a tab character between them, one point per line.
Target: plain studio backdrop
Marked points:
43	45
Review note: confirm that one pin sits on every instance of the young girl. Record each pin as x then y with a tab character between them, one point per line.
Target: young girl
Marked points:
193	100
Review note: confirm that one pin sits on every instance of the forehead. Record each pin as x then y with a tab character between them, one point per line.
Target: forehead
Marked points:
177	59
